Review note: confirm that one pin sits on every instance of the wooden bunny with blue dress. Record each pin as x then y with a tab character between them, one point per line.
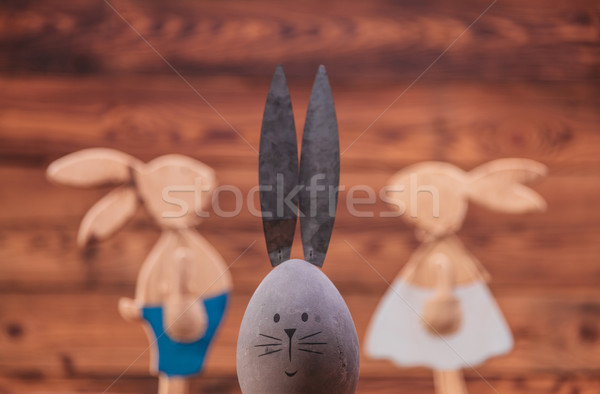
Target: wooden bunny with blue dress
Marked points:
297	334
183	285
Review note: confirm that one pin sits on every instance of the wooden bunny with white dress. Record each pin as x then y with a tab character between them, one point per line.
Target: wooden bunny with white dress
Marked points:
183	285
439	313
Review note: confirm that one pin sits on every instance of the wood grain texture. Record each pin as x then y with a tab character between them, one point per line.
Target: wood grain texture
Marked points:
42	119
378	40
555	331
521	82
39	240
215	384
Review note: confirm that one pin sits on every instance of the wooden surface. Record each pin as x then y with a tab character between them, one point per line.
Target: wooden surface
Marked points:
522	82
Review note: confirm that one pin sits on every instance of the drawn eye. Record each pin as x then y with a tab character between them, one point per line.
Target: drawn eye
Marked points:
304	316
276	318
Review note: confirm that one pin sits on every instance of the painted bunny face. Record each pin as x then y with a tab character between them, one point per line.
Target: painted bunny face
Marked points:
297	335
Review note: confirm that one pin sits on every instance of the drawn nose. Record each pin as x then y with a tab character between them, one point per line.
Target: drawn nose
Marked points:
290	332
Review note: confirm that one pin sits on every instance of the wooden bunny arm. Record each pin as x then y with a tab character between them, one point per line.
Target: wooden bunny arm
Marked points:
468	267
442	314
449	382
108	215
129	309
93	167
444	273
150	282
499	185
184	315
210	275
180	264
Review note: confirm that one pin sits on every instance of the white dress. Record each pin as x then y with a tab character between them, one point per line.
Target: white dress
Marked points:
397	332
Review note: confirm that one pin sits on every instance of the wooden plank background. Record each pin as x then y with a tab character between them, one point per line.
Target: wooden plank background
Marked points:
523	81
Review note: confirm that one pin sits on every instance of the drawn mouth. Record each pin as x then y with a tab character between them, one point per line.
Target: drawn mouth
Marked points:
290	374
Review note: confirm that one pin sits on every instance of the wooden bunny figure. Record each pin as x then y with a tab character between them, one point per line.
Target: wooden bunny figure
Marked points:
439	312
183	285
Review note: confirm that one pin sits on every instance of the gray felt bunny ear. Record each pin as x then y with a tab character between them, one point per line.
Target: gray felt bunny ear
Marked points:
315	188
278	170
319	171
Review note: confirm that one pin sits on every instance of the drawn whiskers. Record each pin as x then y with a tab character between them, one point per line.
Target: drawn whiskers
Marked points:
311	335
271	352
300	343
270	344
310	351
270	337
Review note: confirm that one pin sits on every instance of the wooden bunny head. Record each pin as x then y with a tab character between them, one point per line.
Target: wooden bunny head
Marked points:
175	189
174	180
434	195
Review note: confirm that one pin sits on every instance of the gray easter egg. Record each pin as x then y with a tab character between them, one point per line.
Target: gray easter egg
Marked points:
297	335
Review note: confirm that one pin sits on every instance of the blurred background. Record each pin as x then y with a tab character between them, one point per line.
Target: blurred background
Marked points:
522	81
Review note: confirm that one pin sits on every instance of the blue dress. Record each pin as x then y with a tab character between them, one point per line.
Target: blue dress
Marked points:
179	358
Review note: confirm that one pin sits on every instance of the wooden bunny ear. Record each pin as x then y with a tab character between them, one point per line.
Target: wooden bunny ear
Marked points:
108	215
498	185
92	167
319	171
278	170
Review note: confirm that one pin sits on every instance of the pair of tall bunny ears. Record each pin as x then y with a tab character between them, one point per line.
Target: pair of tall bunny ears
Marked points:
313	186
137	182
